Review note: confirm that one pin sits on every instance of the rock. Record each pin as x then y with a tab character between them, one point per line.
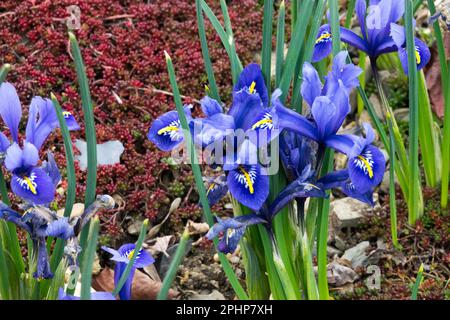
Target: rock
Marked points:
331	251
347	212
401	115
339	243
135	227
357	254
234	259
77	210
340	161
339	275
214	295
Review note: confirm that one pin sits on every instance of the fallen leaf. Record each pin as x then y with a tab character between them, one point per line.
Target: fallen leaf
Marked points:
161	244
196	227
143	287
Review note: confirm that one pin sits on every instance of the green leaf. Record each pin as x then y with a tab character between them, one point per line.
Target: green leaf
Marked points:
172	271
89	256
413	116
266	54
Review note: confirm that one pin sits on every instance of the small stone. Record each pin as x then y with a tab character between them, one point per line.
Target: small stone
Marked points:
331	251
339	275
339	243
214	295
216	257
234	259
357	254
347	212
401	115
228	206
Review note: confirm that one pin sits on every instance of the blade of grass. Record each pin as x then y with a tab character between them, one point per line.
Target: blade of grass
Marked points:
297	39
392	193
71	179
4	281
350	9
91	140
445	77
308	52
413	115
86	280
130	264
415	289
212	85
224	37
198	178
87	107
281	22
428	137
172	271
266	53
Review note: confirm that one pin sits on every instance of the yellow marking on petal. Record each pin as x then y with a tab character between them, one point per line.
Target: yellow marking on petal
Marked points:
313	186
66	114
418	58
323	37
167	129
206	88
211	187
30	185
261	122
367	164
252	87
130	255
248	179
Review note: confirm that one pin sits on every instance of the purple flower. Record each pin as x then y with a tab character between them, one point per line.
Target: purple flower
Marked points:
34	184
233	230
379	33
122	257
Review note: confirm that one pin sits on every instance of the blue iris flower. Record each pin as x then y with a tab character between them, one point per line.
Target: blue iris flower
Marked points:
232	230
122	257
28	181
40	222
379	32
329	108
240	129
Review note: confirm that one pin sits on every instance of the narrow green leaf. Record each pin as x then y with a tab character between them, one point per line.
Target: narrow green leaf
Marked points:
428	137
280	42
392	193
266	54
415	289
172	271
4	281
130	264
71	179
198	177
89	256
4	72
413	115
297	40
212	85
87	106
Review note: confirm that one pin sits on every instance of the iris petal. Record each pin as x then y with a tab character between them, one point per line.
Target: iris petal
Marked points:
252	73
311	84
36	187
166	131
10	109
210	106
367	169
249	184
323	45
42	120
